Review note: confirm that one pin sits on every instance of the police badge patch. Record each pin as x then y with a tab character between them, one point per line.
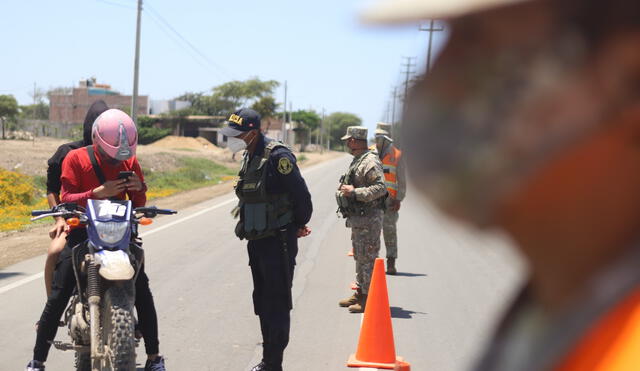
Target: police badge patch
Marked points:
284	166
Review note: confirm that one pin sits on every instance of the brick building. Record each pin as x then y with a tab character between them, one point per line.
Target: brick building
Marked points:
71	108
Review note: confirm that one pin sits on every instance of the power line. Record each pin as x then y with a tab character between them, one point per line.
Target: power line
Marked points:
121	5
187	42
177	42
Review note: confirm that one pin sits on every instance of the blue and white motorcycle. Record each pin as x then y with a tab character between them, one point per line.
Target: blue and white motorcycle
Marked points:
100	315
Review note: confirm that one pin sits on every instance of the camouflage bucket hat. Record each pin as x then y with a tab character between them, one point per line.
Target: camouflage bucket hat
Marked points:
383	129
356	132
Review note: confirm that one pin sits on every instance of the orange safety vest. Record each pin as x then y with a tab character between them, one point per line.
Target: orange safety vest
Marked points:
390	165
612	344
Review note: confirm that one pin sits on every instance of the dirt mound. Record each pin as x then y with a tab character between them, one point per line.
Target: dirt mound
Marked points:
189	146
173	141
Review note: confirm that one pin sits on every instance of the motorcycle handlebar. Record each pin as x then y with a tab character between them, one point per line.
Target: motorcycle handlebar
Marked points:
152	211
39	212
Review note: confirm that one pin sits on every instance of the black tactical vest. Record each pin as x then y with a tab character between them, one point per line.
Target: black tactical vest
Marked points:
263	214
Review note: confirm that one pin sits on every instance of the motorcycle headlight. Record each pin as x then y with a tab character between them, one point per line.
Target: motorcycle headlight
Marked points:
111	232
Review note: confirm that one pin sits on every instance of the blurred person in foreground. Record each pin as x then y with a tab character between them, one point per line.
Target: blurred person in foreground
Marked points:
529	122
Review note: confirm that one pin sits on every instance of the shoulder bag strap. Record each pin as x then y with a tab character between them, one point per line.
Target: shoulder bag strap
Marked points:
94	163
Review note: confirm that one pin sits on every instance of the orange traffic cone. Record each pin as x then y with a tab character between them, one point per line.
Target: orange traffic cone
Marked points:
375	347
350	253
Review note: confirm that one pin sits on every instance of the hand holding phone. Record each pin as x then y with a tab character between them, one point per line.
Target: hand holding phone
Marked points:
125	174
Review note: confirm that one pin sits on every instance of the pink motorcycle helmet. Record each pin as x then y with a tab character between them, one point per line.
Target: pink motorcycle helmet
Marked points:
116	134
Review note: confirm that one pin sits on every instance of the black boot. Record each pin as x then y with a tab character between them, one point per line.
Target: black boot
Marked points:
262	366
391	266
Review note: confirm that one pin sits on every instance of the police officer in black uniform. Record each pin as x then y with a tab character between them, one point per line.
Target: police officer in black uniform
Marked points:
274	208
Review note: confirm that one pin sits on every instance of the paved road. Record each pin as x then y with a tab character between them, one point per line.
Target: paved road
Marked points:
450	286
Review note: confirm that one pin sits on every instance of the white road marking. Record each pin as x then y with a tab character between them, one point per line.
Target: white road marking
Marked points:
36	276
21	282
188	217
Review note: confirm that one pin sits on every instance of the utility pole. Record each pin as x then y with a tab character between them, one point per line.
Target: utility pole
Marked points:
409	65
431	30
136	67
394	97
327	131
387	112
321	140
284	116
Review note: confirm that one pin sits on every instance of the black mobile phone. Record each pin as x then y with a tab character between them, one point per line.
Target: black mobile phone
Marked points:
125	174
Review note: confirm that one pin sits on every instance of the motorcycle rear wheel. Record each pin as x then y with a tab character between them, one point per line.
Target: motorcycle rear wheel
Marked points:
118	326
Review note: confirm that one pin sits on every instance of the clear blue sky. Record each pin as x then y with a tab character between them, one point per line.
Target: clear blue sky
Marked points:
328	58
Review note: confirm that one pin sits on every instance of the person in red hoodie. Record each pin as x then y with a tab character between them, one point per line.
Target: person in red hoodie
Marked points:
91	172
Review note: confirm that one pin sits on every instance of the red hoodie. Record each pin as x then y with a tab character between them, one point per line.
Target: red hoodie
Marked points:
79	180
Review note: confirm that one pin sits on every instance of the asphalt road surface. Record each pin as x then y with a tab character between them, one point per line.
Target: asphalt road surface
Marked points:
451	285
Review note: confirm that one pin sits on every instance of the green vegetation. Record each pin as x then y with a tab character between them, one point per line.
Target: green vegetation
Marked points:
8	111
232	95
147	132
193	173
147	135
338	122
19	193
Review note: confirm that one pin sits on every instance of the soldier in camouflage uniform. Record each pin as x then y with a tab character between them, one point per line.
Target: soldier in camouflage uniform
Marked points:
395	180
360	199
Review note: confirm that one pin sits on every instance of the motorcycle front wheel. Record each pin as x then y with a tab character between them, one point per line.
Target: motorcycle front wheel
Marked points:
83	361
118	326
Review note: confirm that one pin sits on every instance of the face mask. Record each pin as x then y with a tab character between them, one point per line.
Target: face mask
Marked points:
236	145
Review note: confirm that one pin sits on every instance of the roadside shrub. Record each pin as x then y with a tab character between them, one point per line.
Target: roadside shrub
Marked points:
19	195
16	189
148	135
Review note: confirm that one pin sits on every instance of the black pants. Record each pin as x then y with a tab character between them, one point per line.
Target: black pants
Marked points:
61	290
272	279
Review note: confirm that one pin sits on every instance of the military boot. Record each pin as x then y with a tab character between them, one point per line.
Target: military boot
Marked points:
353	299
359	306
391	266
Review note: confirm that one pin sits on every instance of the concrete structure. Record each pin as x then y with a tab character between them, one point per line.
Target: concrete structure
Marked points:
72	108
158	107
190	126
272	127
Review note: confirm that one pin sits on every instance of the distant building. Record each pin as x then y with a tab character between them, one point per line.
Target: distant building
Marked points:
166	106
71	108
272	127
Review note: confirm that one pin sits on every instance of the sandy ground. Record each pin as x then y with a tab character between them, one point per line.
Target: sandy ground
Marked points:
16	246
159	156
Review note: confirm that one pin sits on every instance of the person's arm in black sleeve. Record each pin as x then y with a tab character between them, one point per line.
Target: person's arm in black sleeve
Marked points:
286	169
54	171
54	184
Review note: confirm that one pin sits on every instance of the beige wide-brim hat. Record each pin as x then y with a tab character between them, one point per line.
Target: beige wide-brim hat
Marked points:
396	11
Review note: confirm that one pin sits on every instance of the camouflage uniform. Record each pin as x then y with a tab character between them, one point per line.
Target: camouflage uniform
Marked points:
365	229
367	178
390	220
